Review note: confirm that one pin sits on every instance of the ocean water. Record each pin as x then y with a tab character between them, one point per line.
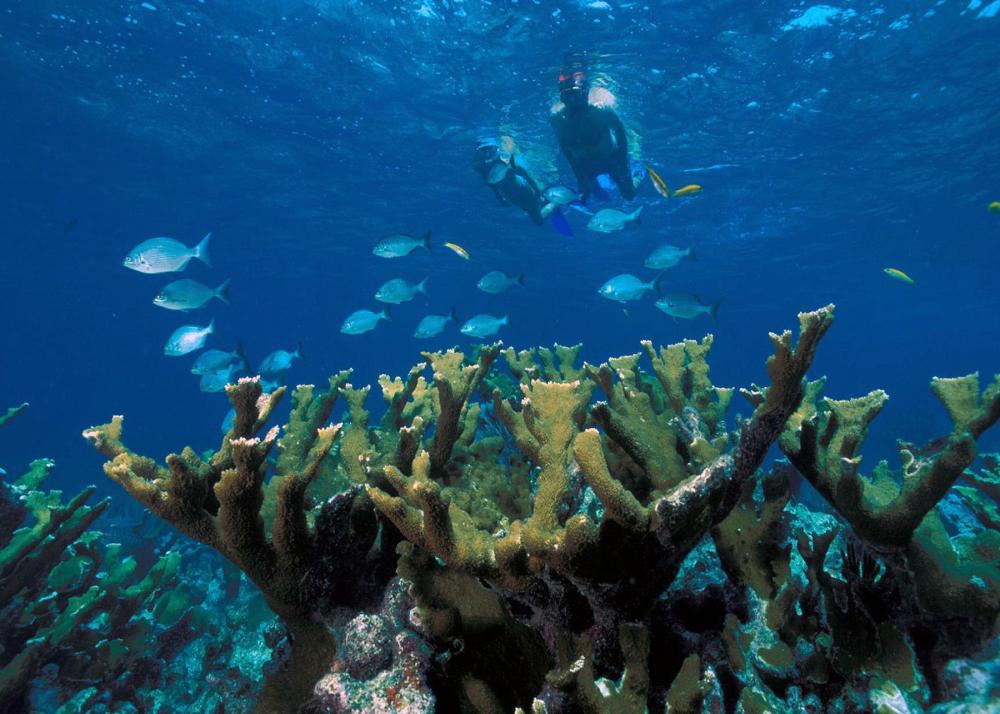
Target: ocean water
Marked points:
831	142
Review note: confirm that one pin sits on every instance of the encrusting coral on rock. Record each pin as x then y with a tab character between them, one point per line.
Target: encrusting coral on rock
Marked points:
553	544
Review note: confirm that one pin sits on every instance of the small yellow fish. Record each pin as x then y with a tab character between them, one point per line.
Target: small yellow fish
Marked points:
458	249
994	207
690	190
899	275
658	183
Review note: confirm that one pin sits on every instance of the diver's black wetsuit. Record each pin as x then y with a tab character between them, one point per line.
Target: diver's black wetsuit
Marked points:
592	137
517	187
594	142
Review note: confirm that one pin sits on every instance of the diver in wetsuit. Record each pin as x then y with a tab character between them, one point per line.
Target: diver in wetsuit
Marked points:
591	136
510	182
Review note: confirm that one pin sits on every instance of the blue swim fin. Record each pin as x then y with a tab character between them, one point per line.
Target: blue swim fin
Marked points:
561	225
605	188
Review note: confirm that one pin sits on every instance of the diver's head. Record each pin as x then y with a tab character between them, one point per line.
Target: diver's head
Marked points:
485	155
574	88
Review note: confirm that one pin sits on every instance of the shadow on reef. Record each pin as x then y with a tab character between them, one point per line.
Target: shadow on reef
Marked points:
567	555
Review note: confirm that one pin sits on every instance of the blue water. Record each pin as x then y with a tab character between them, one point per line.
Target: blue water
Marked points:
832	142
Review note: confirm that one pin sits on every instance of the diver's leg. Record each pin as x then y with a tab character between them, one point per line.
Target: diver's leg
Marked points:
623	177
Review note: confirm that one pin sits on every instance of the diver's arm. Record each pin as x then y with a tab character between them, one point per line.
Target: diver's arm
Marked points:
617	129
621	139
526	176
621	171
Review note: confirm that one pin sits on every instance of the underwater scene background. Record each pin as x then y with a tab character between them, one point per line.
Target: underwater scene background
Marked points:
830	143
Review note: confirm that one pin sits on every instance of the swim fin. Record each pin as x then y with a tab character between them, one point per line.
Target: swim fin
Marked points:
561	225
604	188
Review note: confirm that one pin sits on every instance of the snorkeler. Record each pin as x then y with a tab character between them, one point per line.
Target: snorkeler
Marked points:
510	182
591	135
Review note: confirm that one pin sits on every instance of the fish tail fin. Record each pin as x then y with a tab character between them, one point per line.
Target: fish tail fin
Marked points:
713	310
385	314
426	239
505	320
222	292
211	326
691	254
453	315
422	286
299	353
657	288
201	250
241	355
519	280
635	215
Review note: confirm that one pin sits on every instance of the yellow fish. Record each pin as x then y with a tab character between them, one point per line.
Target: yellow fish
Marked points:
899	275
658	183
994	207
690	190
458	249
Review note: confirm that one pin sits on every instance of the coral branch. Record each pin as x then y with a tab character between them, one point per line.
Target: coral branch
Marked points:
824	443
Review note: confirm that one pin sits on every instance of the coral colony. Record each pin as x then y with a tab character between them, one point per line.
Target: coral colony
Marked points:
510	531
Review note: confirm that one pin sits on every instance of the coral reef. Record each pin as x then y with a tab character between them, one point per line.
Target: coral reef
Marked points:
220	502
563	554
82	626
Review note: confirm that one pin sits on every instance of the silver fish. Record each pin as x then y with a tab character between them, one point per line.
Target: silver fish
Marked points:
432	325
609	220
626	287
215	360
687	306
400	244
560	195
361	321
483	325
187	339
397	290
229	421
667	256
279	361
269	385
216	381
190	294
165	255
497	281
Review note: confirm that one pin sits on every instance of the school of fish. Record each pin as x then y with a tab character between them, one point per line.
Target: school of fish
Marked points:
216	368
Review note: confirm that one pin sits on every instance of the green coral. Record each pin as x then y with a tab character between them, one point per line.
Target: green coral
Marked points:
961	575
568	514
620	563
219	502
824	442
68	600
